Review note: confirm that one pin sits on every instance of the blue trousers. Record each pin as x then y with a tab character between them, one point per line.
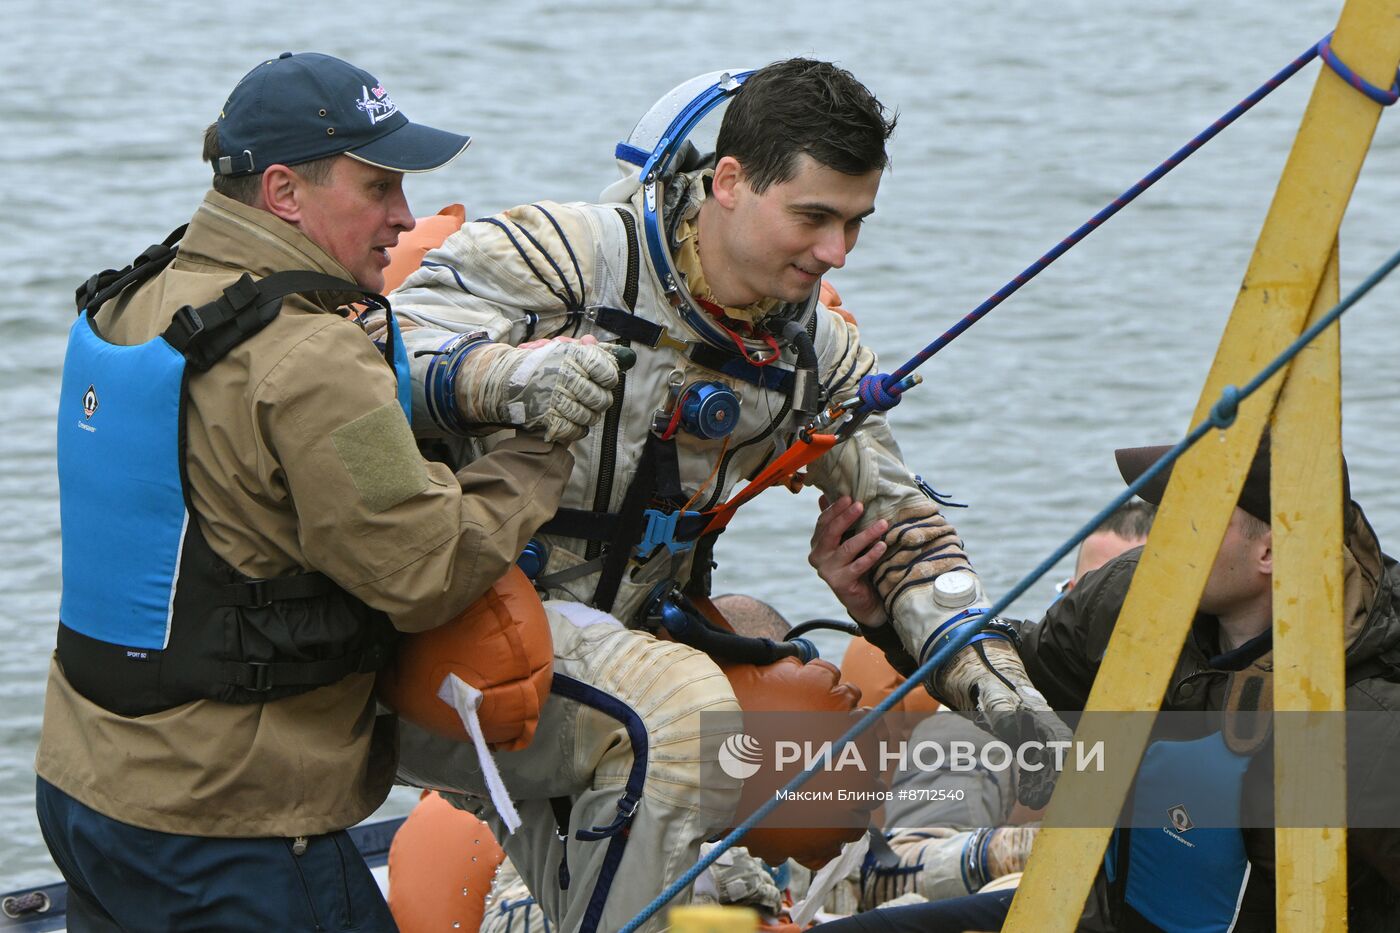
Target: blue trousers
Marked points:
122	877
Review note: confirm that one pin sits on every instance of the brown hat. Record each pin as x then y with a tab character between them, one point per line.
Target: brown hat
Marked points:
1254	497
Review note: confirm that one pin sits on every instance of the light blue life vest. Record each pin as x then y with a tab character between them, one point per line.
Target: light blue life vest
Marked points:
1189	873
149	616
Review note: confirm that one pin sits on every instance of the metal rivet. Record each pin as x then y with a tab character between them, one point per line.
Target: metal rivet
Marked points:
323	111
330	131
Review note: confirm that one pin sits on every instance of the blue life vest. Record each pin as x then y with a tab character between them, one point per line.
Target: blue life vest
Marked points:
150	617
1189	874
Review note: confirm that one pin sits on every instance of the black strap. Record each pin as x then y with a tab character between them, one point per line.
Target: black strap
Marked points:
702	561
107	284
262	676
630	327
584	524
631	521
252	594
207	333
732	364
627	325
562	807
587	525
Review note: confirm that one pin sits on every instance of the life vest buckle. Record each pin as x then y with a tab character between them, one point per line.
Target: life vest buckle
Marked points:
259	594
190	321
260	676
661	532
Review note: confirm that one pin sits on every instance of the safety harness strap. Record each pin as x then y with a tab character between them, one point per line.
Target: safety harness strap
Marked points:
627	325
657	477
587	525
630	327
107	284
206	334
584	524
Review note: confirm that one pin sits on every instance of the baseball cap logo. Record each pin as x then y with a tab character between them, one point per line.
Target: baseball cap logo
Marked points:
740	756
377	103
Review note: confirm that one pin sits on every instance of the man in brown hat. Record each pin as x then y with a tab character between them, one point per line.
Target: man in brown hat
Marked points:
1231	639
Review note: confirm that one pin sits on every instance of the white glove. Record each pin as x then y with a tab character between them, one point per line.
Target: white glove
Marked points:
558	390
938	863
988	676
736	877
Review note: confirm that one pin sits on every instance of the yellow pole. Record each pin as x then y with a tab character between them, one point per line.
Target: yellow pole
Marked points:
1279	287
713	918
1309	645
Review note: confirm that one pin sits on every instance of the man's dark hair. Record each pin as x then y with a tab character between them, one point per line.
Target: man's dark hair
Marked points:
1131	520
800	106
245	188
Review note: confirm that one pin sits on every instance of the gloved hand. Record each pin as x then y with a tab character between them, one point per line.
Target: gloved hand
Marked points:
559	389
987	676
736	877
938	863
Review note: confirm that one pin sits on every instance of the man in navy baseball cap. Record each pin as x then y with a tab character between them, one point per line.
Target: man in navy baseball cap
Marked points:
205	748
301	107
321	145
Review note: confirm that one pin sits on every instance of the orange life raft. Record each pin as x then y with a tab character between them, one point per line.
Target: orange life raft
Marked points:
438	852
427	234
500	645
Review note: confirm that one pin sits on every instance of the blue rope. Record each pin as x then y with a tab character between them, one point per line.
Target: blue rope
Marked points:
873	400
1222	416
1379	95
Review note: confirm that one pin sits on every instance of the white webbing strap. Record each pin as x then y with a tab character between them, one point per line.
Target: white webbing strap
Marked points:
466	700
831	874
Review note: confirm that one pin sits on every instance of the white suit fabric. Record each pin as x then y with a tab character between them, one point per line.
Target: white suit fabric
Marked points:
534	271
483	278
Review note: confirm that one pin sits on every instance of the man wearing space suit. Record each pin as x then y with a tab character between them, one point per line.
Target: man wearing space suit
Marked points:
708	269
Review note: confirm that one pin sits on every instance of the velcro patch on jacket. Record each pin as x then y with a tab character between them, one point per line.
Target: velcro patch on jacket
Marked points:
378	452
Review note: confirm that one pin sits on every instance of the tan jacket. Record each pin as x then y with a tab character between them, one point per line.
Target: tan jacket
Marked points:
298	459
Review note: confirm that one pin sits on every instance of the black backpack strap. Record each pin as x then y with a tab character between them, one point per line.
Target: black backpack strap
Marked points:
207	333
107	284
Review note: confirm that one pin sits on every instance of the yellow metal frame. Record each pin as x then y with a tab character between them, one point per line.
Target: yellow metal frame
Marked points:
1292	276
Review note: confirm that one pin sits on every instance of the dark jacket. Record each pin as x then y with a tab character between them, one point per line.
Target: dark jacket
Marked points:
1062	655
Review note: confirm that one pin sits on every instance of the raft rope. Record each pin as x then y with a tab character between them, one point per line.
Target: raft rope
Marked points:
881	391
1222	415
